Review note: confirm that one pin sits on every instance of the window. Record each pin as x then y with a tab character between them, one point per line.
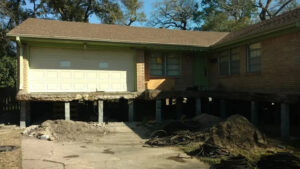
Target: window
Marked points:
229	62
254	58
224	64
234	61
165	65
156	66
173	65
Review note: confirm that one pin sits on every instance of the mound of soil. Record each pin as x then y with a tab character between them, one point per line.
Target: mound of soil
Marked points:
207	120
238	162
173	126
279	161
236	132
62	130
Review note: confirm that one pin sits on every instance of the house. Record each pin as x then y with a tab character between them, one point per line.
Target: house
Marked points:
68	61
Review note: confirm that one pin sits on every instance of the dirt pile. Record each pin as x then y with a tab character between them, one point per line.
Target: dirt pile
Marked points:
207	120
236	132
238	162
62	130
279	161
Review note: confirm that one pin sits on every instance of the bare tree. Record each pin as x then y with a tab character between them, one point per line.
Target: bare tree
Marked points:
271	8
176	14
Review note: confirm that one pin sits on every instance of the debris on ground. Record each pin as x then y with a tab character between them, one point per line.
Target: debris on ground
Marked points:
214	140
279	161
62	130
237	162
176	132
208	150
236	132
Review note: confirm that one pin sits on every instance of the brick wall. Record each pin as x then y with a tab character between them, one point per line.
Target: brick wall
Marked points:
280	68
25	68
140	69
181	82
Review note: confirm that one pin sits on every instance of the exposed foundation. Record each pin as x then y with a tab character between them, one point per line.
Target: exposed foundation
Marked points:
260	109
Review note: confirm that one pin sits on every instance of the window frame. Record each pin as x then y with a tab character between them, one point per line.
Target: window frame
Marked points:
165	65
230	61
248	64
228	53
223	55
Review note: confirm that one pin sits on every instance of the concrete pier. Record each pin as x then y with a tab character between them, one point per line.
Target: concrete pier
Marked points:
285	120
254	113
100	111
67	111
130	110
158	111
23	113
198	106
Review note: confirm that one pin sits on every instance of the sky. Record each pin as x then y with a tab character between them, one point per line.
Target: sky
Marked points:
147	10
148	4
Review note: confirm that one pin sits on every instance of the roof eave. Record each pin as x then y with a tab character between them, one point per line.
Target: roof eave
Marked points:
87	40
292	26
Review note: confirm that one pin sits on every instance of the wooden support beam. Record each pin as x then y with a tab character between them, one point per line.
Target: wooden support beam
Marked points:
158	111
67	111
223	109
285	120
198	106
130	110
254	113
100	111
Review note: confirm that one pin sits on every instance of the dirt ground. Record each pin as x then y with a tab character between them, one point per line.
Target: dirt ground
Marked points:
10	136
123	147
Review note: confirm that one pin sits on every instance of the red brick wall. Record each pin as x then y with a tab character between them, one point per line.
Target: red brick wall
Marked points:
181	82
280	68
140	69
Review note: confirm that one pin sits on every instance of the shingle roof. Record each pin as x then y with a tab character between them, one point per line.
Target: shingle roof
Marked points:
264	26
41	28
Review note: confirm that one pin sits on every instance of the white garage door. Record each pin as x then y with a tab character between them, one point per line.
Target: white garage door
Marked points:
70	70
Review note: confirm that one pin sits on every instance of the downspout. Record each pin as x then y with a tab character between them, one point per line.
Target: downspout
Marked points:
20	62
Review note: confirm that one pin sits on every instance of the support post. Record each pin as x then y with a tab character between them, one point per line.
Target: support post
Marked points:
23	115
198	106
179	108
285	120
100	111
254	113
67	111
130	110
223	109
158	111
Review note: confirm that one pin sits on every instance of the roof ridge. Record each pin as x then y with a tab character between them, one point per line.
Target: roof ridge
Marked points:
124	26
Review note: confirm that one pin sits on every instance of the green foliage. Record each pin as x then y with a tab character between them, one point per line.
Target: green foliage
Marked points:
109	12
226	15
75	10
132	12
8	71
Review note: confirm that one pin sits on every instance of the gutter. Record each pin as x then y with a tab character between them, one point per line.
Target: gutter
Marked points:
91	40
18	40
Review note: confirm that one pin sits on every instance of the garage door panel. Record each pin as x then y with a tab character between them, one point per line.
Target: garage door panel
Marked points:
88	71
